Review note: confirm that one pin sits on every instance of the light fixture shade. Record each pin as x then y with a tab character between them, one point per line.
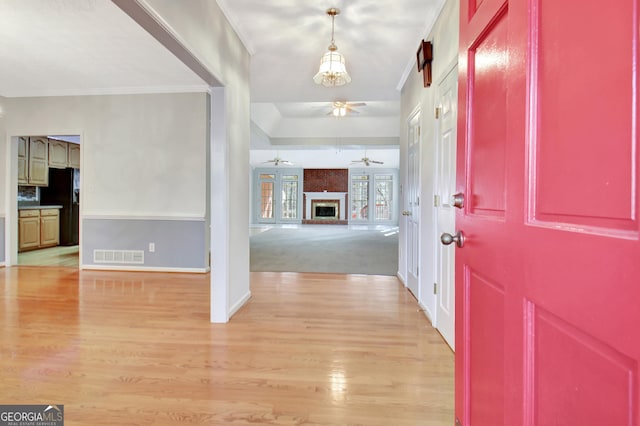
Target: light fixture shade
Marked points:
333	71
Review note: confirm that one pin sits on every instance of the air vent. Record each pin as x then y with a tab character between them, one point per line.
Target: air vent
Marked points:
119	256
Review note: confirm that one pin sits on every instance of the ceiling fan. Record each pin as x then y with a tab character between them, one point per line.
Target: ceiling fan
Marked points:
367	161
277	160
340	109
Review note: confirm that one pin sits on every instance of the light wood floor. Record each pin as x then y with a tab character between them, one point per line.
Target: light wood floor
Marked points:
54	256
138	349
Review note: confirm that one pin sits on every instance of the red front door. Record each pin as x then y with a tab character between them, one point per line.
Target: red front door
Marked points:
548	280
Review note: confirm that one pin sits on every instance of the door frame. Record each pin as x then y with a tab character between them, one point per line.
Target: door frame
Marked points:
437	245
11	193
415	115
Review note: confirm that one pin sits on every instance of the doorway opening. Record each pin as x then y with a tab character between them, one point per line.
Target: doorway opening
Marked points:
48	200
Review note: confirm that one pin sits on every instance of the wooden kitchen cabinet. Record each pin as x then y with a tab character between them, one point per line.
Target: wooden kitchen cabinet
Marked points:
58	154
74	155
28	229
63	154
49	227
38	161
23	161
38	228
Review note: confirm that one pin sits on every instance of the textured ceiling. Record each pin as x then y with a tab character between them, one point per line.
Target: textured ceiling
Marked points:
78	47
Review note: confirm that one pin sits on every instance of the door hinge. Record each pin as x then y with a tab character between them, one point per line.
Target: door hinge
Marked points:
436	200
435	288
417	271
438	112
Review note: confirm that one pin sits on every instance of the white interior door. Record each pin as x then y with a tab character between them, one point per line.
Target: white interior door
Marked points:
412	207
445	209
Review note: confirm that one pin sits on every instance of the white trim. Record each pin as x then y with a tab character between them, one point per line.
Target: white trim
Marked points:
194	218
340	196
240	303
424	309
220	238
134	90
142	269
401	278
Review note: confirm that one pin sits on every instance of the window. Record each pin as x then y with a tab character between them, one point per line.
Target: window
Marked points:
359	197
372	192
289	186
279	197
384	192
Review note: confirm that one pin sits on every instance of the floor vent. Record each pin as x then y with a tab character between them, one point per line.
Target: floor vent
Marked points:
119	256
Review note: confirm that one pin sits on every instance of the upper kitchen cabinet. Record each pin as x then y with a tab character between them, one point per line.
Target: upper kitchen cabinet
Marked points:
74	155
23	161
58	154
63	154
38	161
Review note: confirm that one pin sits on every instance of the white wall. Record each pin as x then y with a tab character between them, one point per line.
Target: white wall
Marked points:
444	36
203	28
3	154
142	155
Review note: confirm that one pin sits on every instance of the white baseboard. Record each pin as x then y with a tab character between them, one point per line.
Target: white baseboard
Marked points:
143	269
401	278
240	303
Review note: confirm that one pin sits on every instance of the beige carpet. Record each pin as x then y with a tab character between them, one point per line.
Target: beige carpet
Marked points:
326	248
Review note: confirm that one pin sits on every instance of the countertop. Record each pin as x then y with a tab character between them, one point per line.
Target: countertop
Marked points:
39	207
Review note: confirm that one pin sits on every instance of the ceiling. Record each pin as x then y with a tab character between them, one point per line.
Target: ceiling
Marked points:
80	47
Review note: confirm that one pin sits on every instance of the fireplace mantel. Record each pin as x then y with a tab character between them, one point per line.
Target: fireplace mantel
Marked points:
342	196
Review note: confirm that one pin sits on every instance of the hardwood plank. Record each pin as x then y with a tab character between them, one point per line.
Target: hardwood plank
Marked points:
137	348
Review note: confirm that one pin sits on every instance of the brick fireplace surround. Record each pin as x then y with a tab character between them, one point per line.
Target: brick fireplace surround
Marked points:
325	185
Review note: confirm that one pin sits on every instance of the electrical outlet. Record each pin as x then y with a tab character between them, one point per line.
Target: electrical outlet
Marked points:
152	247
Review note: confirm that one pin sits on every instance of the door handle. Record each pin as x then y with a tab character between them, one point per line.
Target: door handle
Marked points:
406	213
458	200
458	238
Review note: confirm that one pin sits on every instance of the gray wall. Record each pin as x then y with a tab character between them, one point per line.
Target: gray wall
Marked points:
178	243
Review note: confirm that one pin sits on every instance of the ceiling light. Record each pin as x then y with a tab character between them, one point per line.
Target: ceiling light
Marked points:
333	71
339	109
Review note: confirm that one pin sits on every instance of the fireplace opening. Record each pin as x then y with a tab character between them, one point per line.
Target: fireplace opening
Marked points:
325	210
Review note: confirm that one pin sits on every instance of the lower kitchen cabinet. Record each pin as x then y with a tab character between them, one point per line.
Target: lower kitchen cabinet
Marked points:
38	228
49	227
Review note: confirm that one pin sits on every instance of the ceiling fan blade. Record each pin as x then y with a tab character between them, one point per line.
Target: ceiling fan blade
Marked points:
355	104
376	162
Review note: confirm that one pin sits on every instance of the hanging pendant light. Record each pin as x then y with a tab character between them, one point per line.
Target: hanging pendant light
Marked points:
333	71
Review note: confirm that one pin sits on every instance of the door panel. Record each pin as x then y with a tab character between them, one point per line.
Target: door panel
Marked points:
412	212
484	319
600	190
550	261
445	210
488	96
